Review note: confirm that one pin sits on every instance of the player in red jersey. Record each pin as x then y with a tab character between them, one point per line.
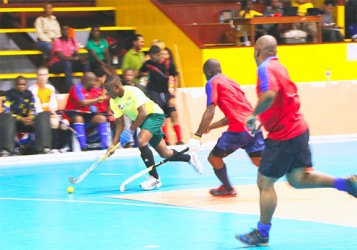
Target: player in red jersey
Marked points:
287	150
84	107
230	98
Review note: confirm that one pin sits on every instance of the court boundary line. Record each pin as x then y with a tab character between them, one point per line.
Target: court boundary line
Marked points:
26	160
157	205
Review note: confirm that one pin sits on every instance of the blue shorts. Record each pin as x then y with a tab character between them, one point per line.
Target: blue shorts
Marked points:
231	141
281	157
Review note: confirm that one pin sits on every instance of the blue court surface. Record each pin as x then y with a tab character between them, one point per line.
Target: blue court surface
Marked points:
36	212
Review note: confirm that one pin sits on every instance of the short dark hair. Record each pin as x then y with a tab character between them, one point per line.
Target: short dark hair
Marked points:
328	2
136	37
99	72
111	78
154	50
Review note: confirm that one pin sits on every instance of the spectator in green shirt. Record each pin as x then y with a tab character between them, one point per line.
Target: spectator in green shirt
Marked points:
98	51
135	58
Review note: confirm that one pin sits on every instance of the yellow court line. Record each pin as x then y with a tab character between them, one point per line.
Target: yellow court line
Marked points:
58	9
28	52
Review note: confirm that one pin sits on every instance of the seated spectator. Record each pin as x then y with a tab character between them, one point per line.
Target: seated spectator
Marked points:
85	109
20	116
309	28
46	101
98	51
330	32
65	58
274	9
47	29
248	10
135	58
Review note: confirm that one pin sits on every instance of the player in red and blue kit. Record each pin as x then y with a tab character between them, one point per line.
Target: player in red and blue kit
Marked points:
85	107
287	150
230	98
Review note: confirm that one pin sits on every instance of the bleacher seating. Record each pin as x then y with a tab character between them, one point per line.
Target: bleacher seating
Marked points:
18	52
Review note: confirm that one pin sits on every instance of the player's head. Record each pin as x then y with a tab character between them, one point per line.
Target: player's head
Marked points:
101	76
20	84
155	53
42	75
128	76
89	80
211	68
265	47
114	86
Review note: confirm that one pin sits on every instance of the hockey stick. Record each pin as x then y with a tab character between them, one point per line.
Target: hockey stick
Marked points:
91	168
141	173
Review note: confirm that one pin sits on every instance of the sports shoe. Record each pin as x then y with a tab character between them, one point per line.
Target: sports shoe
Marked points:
253	239
5	153
352	185
221	191
151	183
180	143
64	149
195	163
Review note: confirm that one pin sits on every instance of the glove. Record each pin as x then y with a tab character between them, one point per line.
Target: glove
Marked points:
194	143
253	125
126	137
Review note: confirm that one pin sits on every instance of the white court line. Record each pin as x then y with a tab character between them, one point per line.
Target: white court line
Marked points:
158	206
110	174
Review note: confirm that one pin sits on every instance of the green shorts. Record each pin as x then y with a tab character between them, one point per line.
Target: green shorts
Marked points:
153	124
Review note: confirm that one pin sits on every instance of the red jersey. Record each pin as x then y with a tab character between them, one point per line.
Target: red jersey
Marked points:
283	119
78	93
230	98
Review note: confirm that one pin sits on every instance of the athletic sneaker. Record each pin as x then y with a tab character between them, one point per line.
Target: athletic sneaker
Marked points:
352	185
195	163
253	239
221	191
151	183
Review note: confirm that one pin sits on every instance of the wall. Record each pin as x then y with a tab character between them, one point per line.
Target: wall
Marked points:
307	63
329	109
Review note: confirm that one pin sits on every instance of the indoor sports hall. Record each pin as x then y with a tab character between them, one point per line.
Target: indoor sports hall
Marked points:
38	213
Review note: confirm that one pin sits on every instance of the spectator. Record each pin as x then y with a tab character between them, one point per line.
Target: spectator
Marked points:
330	32
248	10
84	110
98	51
20	116
159	71
46	101
135	58
47	29
64	57
274	9
309	28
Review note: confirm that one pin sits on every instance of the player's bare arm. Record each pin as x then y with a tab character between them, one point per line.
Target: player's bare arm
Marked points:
206	119
218	124
142	114
265	100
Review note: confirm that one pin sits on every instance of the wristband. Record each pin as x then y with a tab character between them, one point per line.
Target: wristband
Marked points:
197	136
